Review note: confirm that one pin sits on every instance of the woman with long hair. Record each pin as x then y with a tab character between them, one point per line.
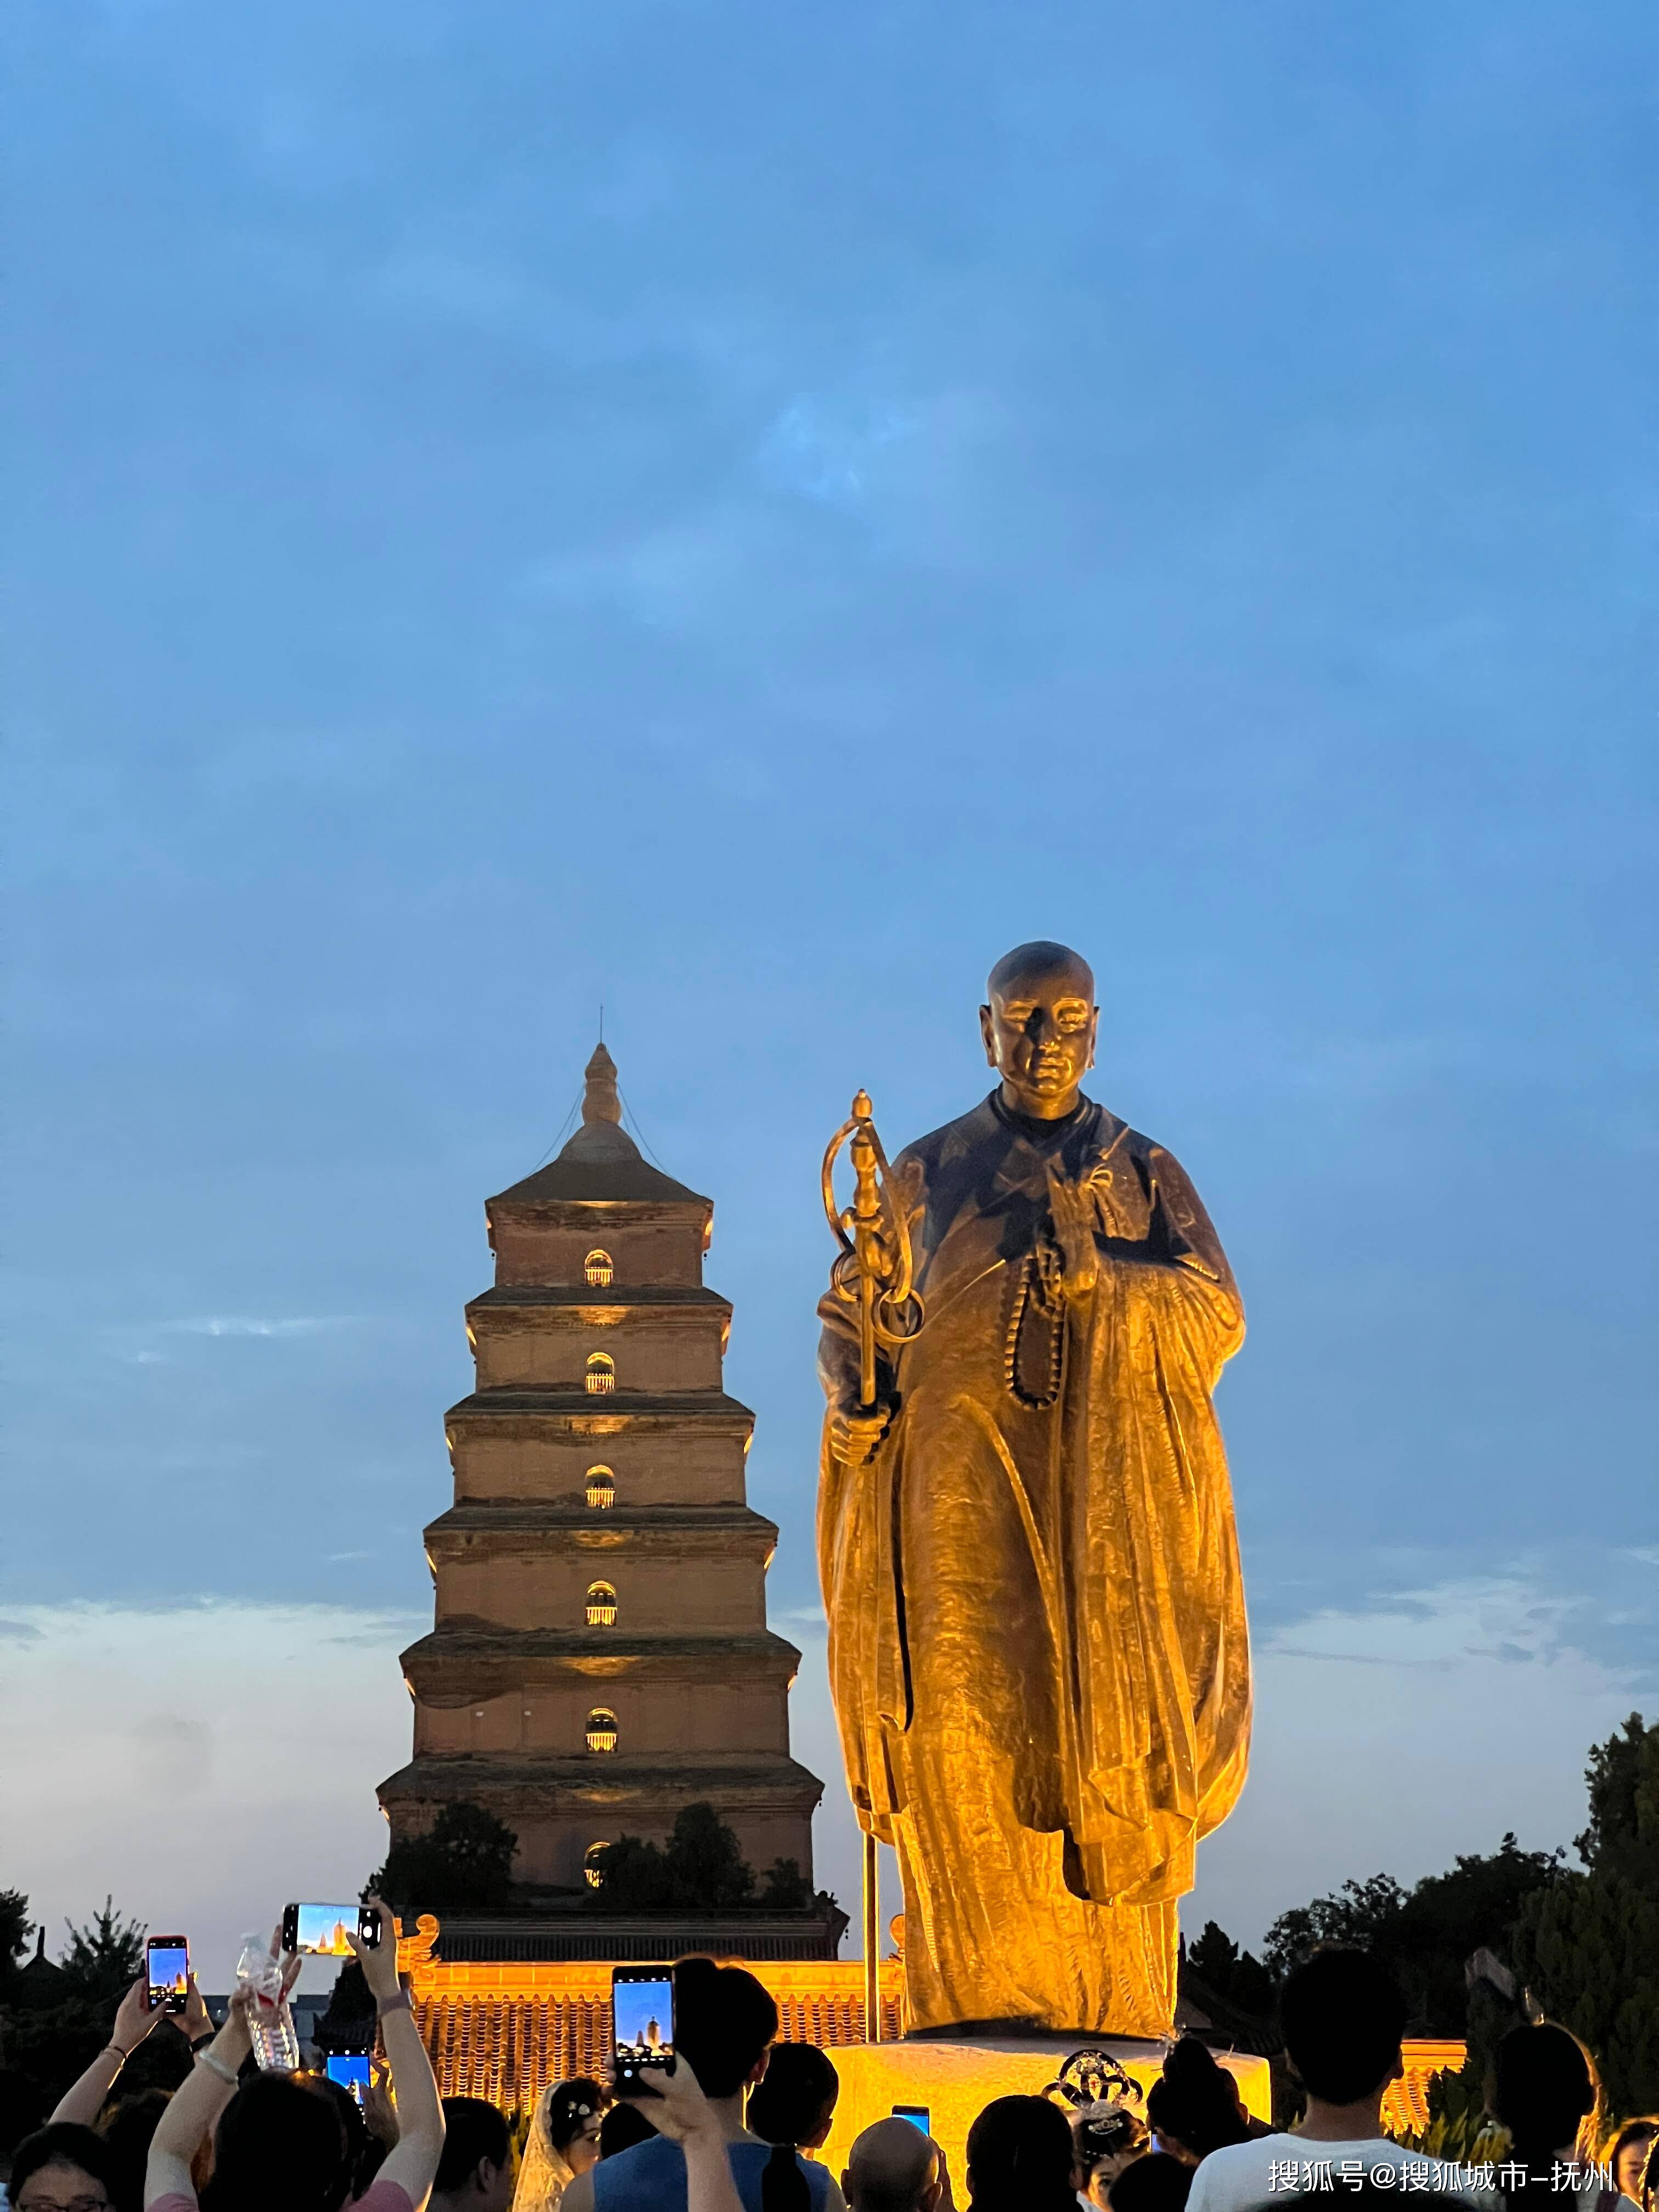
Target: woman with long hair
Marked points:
563	2141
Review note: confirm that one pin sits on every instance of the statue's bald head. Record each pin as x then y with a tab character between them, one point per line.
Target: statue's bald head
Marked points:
892	2167
1039	961
1038	1027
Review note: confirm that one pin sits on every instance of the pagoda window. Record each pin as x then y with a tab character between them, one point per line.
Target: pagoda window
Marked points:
601	1377
602	1730
599	1268
601	1489
593	1874
601	1605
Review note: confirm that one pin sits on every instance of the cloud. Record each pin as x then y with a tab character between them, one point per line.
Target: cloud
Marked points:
1392	1734
254	1325
826	452
257	1731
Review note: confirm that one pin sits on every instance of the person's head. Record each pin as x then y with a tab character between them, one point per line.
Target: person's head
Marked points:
1019	2155
795	2101
624	2126
893	2168
126	2129
1543	2089
1038	1026
1342	2015
1151	2184
1194	2106
475	2173
62	2168
725	2022
279	2147
1627	2154
1104	2138
572	2112
364	2152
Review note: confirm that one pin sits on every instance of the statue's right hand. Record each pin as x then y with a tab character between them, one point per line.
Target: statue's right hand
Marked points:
853	1436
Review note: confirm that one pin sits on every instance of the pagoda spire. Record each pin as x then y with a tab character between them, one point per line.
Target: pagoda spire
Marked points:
599	1100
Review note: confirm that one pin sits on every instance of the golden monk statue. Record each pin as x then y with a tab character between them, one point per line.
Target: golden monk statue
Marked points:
1037	1642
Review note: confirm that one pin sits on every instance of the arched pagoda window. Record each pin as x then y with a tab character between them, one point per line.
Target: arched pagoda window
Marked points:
599	1269
601	1489
602	1730
601	1605
601	1377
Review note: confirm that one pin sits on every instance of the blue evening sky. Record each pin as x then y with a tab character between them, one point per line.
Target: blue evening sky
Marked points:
740	513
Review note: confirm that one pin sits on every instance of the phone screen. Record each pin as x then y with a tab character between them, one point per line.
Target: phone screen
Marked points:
323	1928
166	1965
643	2015
351	2072
918	2115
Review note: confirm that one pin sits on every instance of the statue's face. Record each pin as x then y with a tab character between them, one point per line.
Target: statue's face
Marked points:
1039	1032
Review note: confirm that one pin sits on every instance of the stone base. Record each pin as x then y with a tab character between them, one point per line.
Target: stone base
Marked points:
956	2080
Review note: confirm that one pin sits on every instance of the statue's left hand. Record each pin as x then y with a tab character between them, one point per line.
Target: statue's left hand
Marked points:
1072	1205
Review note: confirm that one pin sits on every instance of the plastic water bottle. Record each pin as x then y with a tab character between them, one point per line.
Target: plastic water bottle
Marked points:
271	2024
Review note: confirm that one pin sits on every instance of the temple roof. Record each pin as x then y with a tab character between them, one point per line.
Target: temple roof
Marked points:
601	1162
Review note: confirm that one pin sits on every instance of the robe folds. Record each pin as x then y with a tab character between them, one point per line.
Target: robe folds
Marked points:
1038	1652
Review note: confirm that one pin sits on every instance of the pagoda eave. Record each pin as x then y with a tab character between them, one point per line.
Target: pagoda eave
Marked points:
507	1526
598	1778
582	1412
661	1300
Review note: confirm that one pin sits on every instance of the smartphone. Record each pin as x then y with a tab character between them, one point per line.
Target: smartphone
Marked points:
918	2115
321	1928
166	1972
642	2020
350	2069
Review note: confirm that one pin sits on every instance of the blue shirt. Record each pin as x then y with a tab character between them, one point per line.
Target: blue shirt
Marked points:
651	2177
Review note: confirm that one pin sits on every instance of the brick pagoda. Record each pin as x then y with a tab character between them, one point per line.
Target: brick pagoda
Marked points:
601	1657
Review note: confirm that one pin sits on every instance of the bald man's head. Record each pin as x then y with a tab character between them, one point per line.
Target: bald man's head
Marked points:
1038	1026
892	2167
1041	959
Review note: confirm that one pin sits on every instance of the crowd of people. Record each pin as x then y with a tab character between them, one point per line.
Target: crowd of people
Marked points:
736	2122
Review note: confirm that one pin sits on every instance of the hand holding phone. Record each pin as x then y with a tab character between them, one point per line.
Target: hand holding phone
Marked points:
324	1931
166	1973
641	2022
350	2069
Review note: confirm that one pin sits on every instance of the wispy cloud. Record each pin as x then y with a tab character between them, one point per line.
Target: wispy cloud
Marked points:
285	1325
200	1708
827	452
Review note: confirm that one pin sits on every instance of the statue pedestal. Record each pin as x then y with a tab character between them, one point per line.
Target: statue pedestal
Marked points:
956	2081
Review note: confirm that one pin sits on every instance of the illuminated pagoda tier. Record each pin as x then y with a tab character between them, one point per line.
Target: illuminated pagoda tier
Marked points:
600	1657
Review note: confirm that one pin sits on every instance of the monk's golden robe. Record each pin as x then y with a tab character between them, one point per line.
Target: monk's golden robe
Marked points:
1037	1642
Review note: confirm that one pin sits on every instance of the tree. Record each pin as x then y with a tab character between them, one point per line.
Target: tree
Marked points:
1237	1977
1425	1932
787	1888
700	1868
705	1865
1589	1945
103	1959
15	1929
463	1862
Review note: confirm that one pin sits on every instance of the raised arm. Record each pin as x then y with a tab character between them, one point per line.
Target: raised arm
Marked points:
413	2161
195	2106
134	2019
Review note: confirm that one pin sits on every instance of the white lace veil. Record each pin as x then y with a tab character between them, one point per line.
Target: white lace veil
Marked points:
545	2173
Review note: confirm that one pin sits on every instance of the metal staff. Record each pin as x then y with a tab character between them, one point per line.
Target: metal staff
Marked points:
871	1273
